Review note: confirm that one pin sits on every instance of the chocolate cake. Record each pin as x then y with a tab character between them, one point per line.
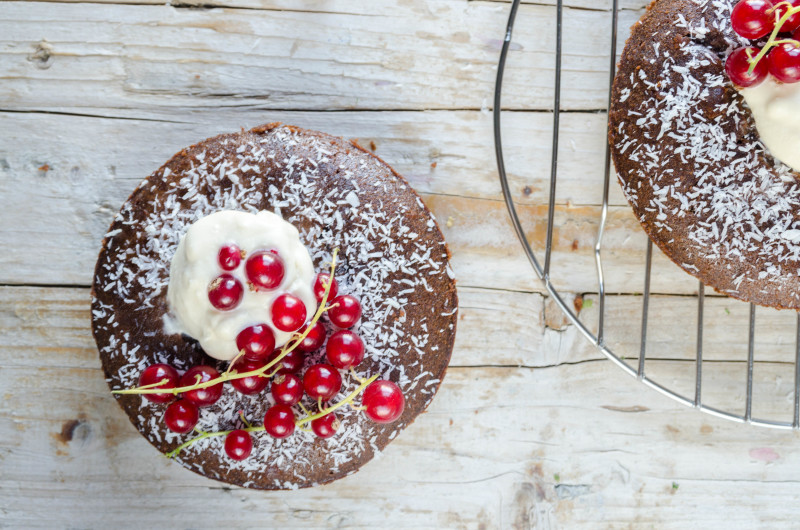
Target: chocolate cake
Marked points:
392	256
690	160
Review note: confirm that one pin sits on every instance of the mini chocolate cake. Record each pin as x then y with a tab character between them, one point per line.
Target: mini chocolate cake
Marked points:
392	256
691	162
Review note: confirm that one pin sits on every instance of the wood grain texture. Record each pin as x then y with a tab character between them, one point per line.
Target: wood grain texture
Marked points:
152	56
615	455
531	428
612	454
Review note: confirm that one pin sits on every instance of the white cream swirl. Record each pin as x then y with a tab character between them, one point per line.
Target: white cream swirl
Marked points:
776	110
195	265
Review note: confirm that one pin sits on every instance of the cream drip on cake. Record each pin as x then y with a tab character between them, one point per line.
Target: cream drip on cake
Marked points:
776	109
195	266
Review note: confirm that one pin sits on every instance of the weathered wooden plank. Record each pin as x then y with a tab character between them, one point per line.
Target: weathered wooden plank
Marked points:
81	187
51	323
449	153
431	55
574	446
345	7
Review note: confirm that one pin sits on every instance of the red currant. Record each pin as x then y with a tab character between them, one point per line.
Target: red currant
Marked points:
326	426
314	339
288	312
738	64
784	62
238	444
345	311
257	342
345	349
225	292
384	401
251	384
181	416
287	389
202	397
796	34
279	421
155	373
793	22
322	381
264	269
319	286
753	19
291	362
229	257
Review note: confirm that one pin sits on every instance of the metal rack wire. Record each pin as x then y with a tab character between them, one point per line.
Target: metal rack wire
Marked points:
544	272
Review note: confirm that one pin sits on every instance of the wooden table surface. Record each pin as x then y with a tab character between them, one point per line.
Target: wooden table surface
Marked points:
531	428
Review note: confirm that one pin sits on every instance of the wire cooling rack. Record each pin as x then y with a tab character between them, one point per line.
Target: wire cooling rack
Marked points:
636	367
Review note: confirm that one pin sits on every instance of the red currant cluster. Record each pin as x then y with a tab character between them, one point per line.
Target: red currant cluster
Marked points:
202	385
779	56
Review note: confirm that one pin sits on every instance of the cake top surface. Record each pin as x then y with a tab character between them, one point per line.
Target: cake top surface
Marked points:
690	160
392	256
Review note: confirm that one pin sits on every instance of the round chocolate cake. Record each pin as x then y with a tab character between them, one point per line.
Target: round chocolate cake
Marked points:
392	256
691	162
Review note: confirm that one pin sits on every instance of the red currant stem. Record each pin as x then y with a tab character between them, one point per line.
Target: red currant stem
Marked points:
773	38
228	375
244	420
358	408
305	410
345	401
187	443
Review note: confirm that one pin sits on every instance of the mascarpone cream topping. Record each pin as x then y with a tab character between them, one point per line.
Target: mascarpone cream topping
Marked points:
195	265
776	109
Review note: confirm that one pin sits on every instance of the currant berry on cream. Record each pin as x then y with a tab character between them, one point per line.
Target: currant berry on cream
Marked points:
257	341
225	292
229	257
288	312
265	269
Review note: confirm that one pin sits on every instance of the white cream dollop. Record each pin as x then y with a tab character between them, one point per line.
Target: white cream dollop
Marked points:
195	265
776	109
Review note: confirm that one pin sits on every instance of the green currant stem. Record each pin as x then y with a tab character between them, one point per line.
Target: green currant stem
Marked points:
233	361
244	420
300	424
773	38
184	445
345	401
259	372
